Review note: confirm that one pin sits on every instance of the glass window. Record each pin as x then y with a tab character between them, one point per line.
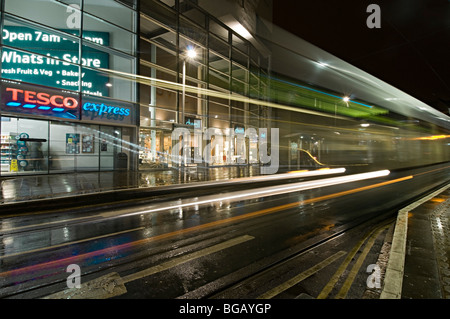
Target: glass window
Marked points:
254	56
239	57
239	87
239	73
218	108
110	85
170	3
165	98
193	14
102	33
237	115
218	63
166	59
144	100
130	3
191	31
154	32
167	41
64	146
154	149
24	157
219	79
195	70
218	30
192	104
219	46
107	147
112	11
47	12
159	12
165	115
241	44
88	158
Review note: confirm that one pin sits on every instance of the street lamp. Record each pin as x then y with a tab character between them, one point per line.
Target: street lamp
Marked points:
190	54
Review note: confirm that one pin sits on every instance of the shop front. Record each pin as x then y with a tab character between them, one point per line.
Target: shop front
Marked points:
63	108
46	130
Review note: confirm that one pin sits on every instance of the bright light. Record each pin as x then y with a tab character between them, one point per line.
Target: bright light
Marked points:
365	125
346	99
431	138
191	53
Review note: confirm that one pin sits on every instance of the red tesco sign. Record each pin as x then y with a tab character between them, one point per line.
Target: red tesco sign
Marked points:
33	99
42	98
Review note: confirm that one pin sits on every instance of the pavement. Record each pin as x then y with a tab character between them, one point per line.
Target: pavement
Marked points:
18	189
417	255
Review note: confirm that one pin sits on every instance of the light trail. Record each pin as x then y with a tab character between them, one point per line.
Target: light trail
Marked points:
257	193
116	248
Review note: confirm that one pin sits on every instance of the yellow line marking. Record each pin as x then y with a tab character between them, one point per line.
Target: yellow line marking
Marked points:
302	276
327	289
354	271
183	259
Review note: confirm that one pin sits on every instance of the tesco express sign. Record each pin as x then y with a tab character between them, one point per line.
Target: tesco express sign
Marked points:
97	110
102	109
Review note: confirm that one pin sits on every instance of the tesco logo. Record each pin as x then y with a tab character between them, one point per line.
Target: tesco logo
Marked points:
42	98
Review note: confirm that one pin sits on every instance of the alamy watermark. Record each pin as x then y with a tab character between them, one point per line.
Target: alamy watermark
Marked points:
215	138
74	279
374	279
374	19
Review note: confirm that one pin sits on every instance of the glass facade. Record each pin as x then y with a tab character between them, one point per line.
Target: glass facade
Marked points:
92	85
223	61
68	87
63	107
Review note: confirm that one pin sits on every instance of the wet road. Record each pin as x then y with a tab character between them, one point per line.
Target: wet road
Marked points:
258	241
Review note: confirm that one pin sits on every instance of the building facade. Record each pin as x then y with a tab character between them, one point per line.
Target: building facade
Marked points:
182	42
95	85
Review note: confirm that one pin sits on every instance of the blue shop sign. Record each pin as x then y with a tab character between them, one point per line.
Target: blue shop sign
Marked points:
110	111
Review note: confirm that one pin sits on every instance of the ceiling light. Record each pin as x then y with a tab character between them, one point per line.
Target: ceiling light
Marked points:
241	30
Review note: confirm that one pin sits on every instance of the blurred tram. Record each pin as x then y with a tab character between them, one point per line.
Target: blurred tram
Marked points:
309	142
332	113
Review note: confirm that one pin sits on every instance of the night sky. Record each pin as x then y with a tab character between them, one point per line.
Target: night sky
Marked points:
411	50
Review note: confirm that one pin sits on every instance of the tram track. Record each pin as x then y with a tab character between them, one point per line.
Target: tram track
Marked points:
251	280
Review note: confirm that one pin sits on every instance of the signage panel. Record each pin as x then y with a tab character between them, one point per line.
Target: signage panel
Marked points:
239	130
191	121
48	71
36	100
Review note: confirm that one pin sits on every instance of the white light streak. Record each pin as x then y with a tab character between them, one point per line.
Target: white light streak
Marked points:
268	191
